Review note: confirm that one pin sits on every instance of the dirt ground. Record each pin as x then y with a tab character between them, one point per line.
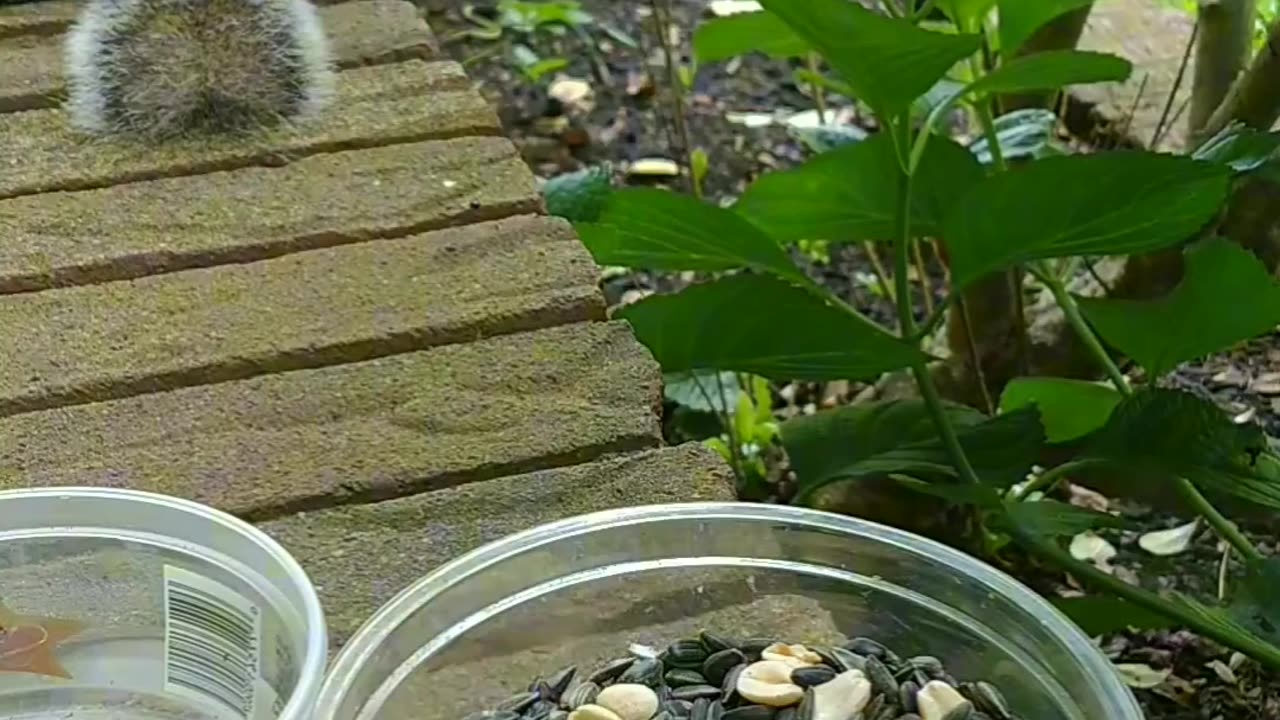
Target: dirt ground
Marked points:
627	119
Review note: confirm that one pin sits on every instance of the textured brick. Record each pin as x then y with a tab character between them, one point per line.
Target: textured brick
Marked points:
360	556
307	309
383	105
361	431
127	231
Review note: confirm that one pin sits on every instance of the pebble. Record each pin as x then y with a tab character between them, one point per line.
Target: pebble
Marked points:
593	712
940	701
842	697
768	682
794	655
629	701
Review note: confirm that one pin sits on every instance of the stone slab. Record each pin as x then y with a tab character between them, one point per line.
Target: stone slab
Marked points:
383	105
304	310
128	231
36	18
360	556
363	32
359	432
1153	36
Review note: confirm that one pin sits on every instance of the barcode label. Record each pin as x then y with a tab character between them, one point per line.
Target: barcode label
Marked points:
212	640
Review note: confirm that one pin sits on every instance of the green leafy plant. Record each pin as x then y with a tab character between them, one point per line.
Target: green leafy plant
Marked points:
909	184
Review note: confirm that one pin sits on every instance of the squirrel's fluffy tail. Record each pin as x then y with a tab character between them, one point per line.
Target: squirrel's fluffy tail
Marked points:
163	68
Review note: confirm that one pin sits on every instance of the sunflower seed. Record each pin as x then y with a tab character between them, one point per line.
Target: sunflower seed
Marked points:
582	694
540	710
693	692
843	660
812	675
750	712
629	701
644	671
714	643
987	698
680	677
610	670
805	710
729	687
754	646
559	682
963	711
907	695
558	714
867	647
493	715
787	713
717	665
663	715
704	709
593	712
928	664
685	654
677	708
880	677
519	703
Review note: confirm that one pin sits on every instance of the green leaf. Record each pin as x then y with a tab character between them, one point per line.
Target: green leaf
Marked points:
1256	604
888	62
1051	70
1101	204
1019	19
579	196
734	35
701	390
1226	296
1175	433
900	437
649	228
1020	134
967	13
1104	615
850	193
1240	147
730	324
1052	518
1068	408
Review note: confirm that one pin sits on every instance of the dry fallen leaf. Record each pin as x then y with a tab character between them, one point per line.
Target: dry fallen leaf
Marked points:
750	119
721	8
575	93
1267	384
1171	541
1223	671
1090	499
1141	675
654	167
1088	546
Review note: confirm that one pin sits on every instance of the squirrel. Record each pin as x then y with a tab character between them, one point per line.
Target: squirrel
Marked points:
160	69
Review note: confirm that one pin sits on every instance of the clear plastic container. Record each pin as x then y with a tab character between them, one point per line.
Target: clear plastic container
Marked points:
580	591
123	605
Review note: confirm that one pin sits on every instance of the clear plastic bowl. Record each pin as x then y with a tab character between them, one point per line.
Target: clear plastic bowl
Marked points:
579	591
162	608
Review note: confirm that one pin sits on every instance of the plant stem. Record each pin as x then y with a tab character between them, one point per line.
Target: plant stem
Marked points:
1071	311
1049	477
819	95
1190	494
906	319
1258	649
662	19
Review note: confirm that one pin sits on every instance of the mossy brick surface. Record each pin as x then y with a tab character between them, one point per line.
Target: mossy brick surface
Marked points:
360	556
382	105
132	230
362	32
1153	36
49	17
307	309
356	432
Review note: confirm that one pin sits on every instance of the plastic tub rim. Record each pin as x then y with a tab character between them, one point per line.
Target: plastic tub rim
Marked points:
373	633
311	671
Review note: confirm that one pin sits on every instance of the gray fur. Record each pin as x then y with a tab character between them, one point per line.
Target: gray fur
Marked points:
157	69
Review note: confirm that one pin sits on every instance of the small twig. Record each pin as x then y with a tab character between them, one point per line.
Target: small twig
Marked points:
882	274
1177	85
971	345
1177	115
662	18
926	285
1222	570
1093	272
819	96
1133	109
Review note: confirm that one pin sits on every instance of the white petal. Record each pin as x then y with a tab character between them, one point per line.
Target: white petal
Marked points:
1140	675
720	8
1089	547
1171	541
